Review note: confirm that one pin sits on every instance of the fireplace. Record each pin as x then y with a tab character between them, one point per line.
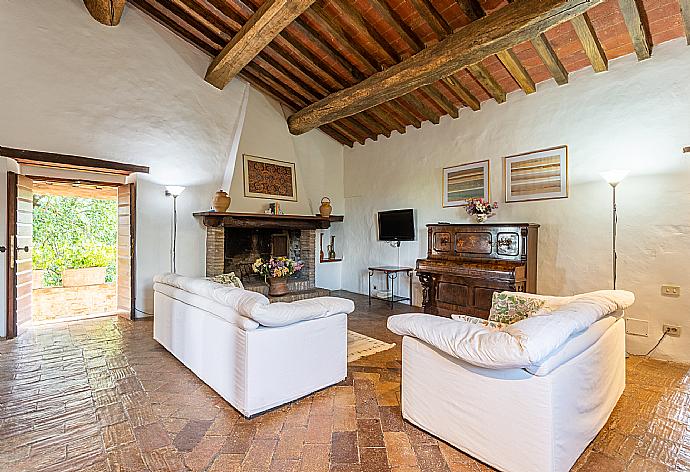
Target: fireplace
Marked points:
230	249
244	246
235	240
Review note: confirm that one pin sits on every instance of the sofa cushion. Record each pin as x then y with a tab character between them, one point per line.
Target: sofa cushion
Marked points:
519	345
282	314
510	307
229	279
576	345
479	321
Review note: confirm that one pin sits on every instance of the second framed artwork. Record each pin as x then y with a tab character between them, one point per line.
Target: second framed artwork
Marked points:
464	182
537	175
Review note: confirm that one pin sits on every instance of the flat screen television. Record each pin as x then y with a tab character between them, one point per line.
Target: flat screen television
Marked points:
396	225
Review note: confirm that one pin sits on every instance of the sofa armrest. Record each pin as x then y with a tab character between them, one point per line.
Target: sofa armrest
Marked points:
472	343
282	314
576	345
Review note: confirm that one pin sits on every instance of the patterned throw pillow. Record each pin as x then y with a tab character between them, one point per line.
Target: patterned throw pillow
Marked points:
509	308
228	279
479	321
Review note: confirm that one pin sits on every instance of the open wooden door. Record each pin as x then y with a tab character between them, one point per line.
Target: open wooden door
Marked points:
20	215
126	232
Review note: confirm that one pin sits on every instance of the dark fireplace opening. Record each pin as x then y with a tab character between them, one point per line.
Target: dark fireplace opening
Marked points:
243	246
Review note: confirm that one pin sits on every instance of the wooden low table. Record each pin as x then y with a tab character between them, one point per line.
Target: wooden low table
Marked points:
392	273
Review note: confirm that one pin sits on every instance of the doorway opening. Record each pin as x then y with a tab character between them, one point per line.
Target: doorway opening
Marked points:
74	250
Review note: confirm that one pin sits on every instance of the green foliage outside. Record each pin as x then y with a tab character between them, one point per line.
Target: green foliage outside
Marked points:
74	233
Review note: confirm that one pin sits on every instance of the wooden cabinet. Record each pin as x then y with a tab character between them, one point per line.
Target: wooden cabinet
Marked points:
466	264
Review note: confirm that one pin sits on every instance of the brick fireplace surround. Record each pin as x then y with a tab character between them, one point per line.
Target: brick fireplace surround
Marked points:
300	289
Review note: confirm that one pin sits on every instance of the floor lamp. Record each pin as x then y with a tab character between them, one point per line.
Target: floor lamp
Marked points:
614	177
174	191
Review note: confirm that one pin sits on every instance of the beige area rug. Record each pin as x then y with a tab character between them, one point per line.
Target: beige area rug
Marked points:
359	346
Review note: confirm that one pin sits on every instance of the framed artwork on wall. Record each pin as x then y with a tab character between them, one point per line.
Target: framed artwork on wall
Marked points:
269	178
537	175
460	183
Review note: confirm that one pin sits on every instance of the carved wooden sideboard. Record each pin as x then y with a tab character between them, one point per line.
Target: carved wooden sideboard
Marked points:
467	263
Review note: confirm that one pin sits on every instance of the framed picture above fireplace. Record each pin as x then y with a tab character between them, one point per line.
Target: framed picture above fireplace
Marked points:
269	178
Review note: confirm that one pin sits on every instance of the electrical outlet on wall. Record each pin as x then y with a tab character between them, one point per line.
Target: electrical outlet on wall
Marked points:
672	330
636	327
670	290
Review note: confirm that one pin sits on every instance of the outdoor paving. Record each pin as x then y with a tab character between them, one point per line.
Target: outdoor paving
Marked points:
102	395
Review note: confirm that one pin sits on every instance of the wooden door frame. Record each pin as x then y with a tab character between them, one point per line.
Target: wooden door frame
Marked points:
11	282
11	318
133	238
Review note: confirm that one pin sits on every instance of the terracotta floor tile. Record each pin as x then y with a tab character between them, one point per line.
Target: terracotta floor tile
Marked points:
101	395
400	452
315	458
151	436
344	447
258	458
227	463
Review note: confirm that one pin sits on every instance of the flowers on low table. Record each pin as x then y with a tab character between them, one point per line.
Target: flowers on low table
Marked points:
276	271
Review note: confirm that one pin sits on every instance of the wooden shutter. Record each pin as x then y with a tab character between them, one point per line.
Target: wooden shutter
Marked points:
126	212
20	216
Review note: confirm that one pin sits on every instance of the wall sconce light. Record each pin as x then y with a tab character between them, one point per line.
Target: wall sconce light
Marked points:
613	178
174	191
686	150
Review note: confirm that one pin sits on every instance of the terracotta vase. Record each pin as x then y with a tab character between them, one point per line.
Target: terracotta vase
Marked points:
221	201
325	209
277	286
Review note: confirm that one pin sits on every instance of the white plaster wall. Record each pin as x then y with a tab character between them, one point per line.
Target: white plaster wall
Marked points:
635	116
318	167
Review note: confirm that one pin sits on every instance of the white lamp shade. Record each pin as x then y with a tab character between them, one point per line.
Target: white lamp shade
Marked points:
174	190
614	176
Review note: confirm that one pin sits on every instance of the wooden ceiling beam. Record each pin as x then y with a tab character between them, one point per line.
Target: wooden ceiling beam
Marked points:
368	65
548	56
287	43
299	35
370	130
347	124
461	93
685	13
177	25
471	8
337	134
407	115
487	81
396	115
445	105
355	20
421	107
262	28
386	120
106	12
399	26
590	42
504	29
637	29
517	70
429	14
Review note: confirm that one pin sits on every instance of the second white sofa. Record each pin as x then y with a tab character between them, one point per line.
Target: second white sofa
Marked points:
254	354
528	397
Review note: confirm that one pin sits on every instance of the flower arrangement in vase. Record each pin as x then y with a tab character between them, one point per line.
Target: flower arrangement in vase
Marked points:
276	271
481	209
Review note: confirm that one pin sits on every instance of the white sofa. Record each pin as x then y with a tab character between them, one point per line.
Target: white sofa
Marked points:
255	354
528	397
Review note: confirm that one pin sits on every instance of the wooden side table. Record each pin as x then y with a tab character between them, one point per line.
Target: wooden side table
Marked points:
392	273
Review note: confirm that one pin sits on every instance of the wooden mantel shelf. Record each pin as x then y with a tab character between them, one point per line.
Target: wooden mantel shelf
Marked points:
262	220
